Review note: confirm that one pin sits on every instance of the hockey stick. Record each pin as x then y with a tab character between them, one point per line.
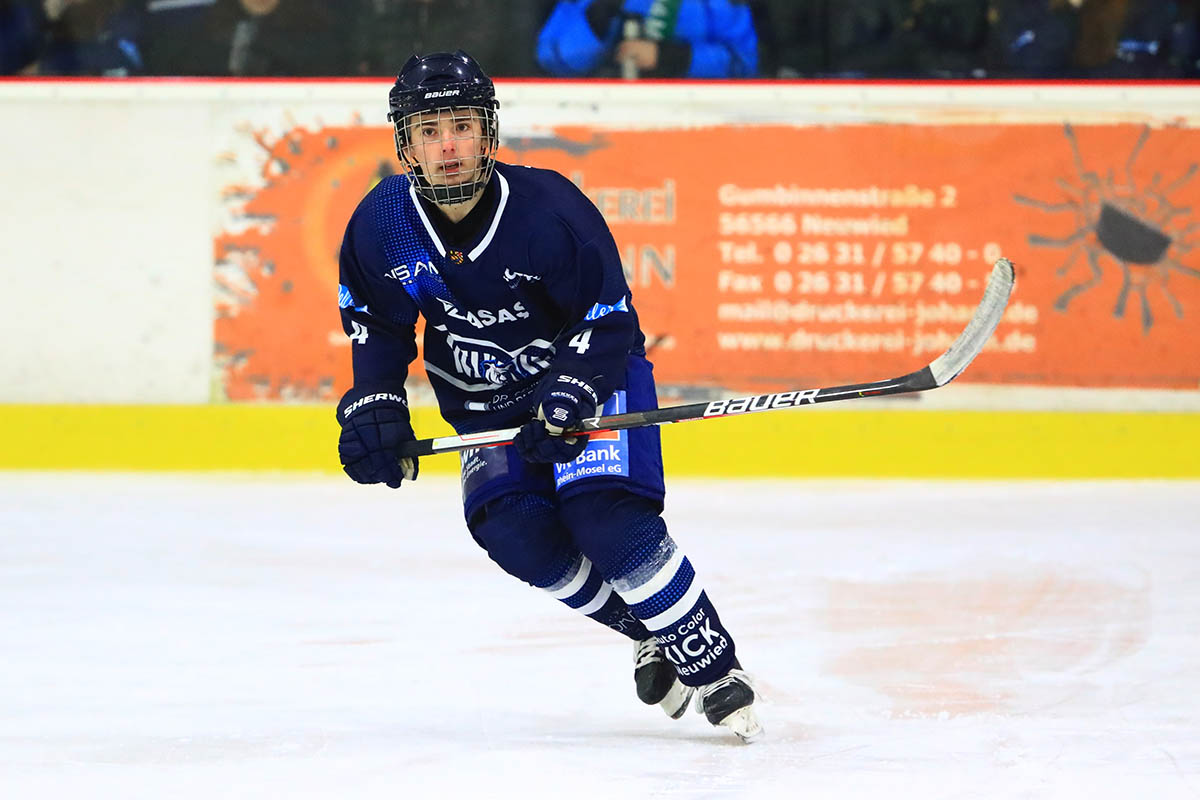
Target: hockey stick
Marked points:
941	371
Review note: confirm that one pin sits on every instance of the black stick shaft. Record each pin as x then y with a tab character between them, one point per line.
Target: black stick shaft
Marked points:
941	371
913	382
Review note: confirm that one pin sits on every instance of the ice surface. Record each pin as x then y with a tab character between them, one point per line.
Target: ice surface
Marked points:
256	637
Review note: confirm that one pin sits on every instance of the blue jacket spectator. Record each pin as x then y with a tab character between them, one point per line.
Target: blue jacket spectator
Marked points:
708	39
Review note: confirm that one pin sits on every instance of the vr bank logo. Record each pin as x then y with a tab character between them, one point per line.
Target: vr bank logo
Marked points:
607	453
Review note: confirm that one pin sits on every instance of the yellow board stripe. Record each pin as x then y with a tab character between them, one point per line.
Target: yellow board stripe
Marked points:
812	443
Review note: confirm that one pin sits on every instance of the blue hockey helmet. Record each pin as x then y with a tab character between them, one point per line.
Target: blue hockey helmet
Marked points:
455	85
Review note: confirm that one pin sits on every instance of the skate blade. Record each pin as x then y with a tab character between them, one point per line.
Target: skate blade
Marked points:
675	704
744	722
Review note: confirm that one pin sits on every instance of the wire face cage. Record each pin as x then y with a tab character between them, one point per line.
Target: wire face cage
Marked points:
449	152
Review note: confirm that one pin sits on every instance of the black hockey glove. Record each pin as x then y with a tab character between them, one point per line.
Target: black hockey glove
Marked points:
374	425
564	402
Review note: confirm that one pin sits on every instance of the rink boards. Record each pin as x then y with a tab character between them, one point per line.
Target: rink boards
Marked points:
798	443
187	321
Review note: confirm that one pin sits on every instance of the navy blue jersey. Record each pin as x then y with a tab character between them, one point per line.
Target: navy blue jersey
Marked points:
538	291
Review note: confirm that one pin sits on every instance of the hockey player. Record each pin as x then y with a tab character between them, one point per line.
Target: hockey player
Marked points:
529	322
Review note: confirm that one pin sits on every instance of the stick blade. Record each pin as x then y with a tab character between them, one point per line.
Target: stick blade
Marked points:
981	326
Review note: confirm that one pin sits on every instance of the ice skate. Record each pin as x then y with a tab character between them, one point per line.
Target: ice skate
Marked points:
656	680
729	702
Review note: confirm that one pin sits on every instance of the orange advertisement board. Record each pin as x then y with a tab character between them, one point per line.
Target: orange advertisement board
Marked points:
764	257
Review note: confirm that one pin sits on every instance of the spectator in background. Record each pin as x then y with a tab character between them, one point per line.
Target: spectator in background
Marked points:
950	37
1136	39
91	37
249	38
1187	37
501	35
21	25
1032	38
180	38
871	38
289	37
793	37
688	39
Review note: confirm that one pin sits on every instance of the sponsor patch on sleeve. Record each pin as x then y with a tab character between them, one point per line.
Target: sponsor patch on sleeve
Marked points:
346	299
601	310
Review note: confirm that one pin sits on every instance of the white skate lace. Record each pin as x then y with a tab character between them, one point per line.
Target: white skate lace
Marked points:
646	652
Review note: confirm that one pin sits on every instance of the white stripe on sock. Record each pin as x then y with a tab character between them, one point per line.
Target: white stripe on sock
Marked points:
658	581
581	576
677	611
599	600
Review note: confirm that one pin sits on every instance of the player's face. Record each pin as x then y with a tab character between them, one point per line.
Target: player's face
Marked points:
447	143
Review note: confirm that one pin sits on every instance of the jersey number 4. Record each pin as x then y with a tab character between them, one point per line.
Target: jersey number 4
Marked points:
581	341
358	333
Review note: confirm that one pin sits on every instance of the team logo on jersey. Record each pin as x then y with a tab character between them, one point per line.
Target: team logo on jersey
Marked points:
601	310
512	278
456	256
482	318
406	274
483	365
